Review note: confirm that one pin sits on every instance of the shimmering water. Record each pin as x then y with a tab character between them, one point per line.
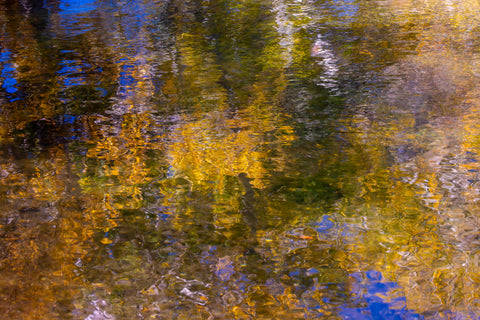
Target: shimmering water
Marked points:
274	159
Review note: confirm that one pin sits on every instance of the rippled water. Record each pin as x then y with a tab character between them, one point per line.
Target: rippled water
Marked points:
276	159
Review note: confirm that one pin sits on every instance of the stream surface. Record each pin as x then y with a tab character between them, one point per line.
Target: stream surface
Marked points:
240	159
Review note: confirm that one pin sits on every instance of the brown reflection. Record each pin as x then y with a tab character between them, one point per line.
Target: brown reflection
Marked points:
424	193
43	236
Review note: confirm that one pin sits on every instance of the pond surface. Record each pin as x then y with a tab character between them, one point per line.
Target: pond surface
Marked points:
283	159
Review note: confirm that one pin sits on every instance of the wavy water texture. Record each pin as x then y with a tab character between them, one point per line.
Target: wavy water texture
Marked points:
239	159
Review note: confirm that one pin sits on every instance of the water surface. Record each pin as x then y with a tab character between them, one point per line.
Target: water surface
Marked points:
276	159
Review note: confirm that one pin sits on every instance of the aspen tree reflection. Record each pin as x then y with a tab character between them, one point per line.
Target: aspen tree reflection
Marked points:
238	160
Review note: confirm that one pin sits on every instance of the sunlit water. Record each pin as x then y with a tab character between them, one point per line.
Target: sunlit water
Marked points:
278	159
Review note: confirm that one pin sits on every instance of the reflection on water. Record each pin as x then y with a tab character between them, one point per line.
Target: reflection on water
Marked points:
239	160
